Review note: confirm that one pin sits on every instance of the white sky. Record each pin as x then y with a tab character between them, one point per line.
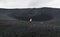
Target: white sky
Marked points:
29	3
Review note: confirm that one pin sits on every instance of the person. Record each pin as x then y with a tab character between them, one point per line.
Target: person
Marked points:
30	20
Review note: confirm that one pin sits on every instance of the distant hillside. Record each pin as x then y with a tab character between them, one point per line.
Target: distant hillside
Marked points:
37	14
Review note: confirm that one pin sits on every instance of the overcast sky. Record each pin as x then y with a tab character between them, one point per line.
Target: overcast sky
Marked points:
29	3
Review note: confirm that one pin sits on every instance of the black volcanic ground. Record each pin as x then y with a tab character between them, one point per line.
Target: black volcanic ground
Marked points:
15	22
